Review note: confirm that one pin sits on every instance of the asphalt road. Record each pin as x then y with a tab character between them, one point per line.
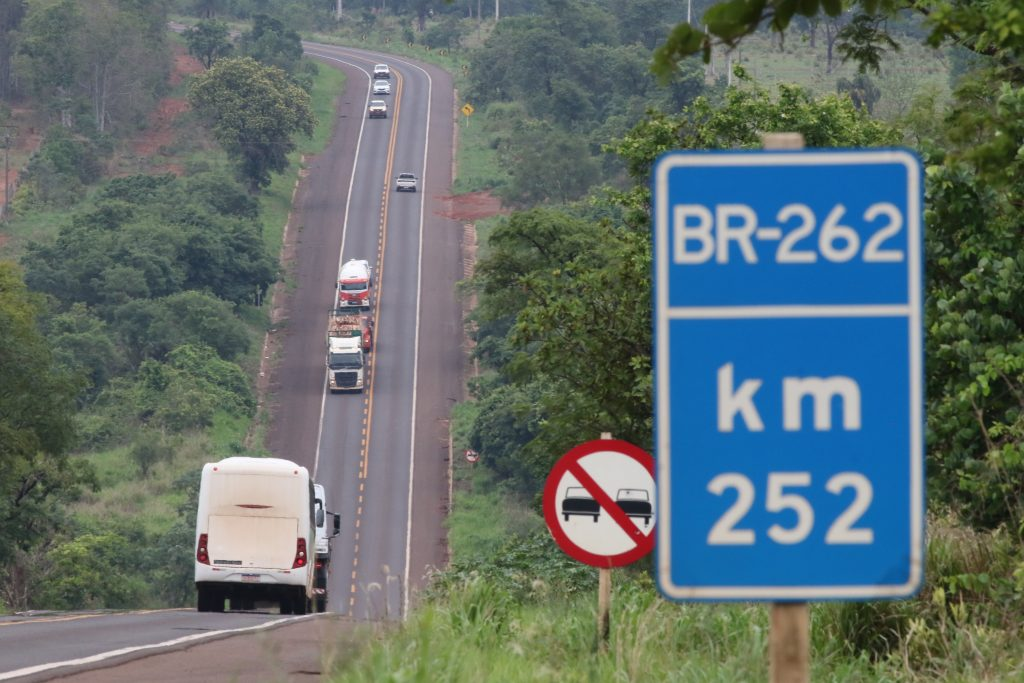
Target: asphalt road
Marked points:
381	455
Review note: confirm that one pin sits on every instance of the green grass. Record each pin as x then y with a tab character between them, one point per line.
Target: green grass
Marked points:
36	226
477	167
904	74
152	501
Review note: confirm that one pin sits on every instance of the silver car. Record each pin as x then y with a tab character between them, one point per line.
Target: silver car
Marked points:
381	87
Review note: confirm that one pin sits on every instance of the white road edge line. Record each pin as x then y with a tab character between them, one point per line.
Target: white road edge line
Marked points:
341	253
419	295
27	671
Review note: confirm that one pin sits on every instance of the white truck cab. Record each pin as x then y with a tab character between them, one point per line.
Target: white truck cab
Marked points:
345	366
328	525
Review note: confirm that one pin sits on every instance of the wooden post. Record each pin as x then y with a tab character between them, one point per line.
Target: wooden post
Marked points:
604	605
604	597
789	638
789	643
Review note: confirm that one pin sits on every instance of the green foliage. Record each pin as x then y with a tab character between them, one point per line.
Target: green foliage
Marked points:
153	238
150	328
85	347
36	427
93	571
271	44
186	392
59	172
994	28
861	91
208	41
524	569
104	61
547	166
150	448
577	285
253	111
509	418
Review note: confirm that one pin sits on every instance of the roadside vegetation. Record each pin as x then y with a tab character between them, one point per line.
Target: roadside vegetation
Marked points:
563	315
132	321
568	119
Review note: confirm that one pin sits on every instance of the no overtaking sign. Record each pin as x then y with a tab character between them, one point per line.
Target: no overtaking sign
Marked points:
599	503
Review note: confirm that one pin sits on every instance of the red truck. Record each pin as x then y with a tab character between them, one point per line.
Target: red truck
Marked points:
354	284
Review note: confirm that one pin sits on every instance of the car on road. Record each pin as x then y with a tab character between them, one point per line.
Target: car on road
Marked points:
405	182
578	501
381	71
382	87
378	109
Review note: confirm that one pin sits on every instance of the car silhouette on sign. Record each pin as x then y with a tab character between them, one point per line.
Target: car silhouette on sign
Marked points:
635	503
578	501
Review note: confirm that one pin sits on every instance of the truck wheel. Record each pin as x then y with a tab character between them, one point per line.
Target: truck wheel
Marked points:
300	602
566	517
321	605
216	599
595	517
202	599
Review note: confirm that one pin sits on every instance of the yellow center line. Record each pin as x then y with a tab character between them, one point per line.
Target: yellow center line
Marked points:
364	470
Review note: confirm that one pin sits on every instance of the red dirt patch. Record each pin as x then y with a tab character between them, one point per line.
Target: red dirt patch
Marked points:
184	64
472	206
160	131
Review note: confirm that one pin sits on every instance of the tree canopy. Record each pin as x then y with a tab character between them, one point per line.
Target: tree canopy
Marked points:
36	424
253	111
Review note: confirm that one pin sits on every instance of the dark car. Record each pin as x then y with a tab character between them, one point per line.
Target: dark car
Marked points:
578	502
635	503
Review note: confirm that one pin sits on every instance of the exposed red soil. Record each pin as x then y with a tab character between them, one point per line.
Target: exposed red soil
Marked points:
160	129
472	206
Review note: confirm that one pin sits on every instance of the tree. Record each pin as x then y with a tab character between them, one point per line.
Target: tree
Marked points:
208	41
11	14
974	193
253	111
576	283
994	29
547	165
861	90
271	44
106	53
36	425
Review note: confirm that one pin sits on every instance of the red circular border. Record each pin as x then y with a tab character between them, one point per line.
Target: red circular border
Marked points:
550	503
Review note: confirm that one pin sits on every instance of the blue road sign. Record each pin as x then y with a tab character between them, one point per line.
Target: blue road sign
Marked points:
788	374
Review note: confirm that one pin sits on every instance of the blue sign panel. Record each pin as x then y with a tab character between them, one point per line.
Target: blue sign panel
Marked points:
788	374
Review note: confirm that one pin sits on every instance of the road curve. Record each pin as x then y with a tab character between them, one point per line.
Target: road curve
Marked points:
381	455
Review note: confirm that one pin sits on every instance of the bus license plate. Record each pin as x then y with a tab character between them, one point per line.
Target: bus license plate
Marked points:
250	578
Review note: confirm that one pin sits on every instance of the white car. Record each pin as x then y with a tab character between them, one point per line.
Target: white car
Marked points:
381	71
381	87
405	182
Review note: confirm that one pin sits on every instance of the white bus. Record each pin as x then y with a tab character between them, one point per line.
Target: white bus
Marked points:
255	535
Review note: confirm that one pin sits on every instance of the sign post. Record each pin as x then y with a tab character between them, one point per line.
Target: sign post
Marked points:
788	376
599	505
